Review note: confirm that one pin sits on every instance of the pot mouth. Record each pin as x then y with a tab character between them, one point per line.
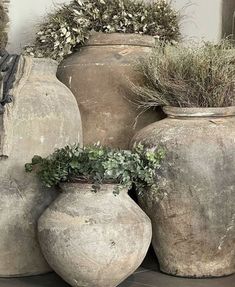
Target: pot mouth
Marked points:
35	67
177	112
39	61
120	39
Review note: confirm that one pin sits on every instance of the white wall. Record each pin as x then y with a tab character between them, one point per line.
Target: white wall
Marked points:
203	19
24	16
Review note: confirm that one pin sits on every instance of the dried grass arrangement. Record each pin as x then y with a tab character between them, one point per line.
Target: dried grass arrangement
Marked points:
188	76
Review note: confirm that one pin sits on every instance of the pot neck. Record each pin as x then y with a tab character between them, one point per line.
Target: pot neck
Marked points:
40	67
187	113
82	188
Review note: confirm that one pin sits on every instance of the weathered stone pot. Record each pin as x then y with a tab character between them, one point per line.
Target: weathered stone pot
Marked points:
43	116
98	75
94	239
193	214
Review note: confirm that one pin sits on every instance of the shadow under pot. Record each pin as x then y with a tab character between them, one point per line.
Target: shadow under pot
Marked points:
193	212
94	238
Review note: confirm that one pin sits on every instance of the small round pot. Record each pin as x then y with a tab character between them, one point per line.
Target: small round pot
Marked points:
193	212
94	238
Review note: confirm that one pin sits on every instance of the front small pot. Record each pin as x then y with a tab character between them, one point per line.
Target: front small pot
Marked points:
193	212
94	238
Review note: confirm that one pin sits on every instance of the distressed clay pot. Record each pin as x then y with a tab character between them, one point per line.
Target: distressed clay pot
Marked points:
193	214
98	75
43	116
94	239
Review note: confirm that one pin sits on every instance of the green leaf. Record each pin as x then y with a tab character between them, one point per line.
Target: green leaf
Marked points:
28	167
36	159
99	165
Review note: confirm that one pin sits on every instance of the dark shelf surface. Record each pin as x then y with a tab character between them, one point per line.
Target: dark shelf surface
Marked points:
146	276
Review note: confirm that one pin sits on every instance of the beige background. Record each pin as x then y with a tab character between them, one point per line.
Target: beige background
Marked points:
24	18
204	19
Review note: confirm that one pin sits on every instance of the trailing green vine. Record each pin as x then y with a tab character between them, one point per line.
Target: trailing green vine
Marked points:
99	165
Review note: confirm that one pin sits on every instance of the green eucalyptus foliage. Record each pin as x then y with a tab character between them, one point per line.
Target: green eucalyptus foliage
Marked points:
70	26
199	75
97	165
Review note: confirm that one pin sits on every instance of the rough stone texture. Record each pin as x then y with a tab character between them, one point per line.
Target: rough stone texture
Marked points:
98	75
94	239
193	213
43	116
3	25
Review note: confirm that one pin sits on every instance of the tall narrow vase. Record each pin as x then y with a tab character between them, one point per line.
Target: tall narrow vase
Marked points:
42	117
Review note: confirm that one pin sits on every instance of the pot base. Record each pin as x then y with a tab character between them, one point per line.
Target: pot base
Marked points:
176	273
25	274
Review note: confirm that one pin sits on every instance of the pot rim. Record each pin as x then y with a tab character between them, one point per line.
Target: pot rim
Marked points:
85	187
120	39
199	112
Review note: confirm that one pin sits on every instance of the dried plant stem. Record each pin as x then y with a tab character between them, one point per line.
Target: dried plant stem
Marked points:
188	76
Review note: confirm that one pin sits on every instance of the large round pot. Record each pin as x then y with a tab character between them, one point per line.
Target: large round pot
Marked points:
98	75
193	213
94	238
43	116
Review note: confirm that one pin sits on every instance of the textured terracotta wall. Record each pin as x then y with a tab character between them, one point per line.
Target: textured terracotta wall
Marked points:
3	23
